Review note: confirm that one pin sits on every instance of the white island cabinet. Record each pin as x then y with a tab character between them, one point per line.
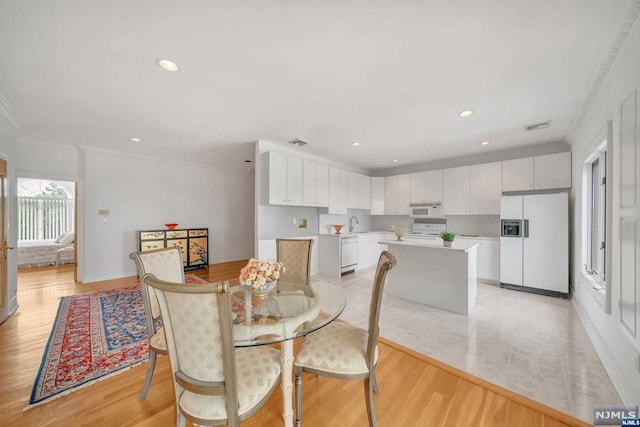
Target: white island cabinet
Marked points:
434	275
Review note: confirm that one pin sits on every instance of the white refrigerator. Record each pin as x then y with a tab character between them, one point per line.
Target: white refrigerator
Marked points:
534	243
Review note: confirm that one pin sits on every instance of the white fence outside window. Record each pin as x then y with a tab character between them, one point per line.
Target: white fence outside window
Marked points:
43	219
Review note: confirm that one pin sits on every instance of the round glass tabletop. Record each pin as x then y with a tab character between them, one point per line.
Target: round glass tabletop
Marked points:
287	312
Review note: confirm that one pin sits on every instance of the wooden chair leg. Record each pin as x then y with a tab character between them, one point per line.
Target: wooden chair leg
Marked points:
298	373
368	394
150	367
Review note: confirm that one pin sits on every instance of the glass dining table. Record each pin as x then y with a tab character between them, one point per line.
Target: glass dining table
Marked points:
289	311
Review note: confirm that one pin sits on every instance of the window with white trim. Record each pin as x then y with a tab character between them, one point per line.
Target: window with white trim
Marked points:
594	214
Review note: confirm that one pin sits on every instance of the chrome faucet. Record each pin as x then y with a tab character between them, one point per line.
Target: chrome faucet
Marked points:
351	226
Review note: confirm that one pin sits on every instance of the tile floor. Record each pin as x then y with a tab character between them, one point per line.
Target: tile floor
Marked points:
531	344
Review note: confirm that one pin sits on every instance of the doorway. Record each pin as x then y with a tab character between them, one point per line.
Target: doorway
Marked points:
46	225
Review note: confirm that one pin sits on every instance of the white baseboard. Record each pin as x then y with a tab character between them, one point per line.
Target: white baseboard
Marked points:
620	381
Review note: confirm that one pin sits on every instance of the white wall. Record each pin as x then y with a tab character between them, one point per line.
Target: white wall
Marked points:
7	146
618	349
142	193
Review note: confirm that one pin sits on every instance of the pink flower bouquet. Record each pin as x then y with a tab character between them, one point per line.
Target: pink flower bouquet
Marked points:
258	273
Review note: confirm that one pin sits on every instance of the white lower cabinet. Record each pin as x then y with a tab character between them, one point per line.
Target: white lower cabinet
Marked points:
368	250
488	258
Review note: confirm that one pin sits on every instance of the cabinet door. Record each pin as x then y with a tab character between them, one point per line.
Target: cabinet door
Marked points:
456	191
552	171
309	184
489	260
391	195
418	187
277	164
322	185
404	191
294	181
365	191
377	195
397	194
337	191
517	174
485	188
434	186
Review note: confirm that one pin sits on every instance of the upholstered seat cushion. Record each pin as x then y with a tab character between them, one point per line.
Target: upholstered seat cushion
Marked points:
258	371
158	341
339	348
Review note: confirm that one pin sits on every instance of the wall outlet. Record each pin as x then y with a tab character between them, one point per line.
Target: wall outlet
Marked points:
295	221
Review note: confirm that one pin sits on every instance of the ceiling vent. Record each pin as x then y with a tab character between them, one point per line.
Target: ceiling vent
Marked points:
537	126
298	142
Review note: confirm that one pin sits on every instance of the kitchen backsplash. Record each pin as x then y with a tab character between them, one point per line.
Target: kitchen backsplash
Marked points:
482	225
326	220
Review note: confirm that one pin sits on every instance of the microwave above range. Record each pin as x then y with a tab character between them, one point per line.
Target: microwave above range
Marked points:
426	210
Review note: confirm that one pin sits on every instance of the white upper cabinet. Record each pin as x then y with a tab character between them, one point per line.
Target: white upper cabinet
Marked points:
456	191
337	191
485	188
377	195
315	184
552	171
358	191
537	173
434	186
285	179
418	187
517	174
397	194
472	190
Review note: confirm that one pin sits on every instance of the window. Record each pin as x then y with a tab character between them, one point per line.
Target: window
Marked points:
594	217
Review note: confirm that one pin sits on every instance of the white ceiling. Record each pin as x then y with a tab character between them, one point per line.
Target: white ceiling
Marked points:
391	75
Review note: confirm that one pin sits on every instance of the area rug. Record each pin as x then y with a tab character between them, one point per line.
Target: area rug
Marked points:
96	335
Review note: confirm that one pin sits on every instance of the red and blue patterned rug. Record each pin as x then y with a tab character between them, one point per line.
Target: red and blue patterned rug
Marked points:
95	335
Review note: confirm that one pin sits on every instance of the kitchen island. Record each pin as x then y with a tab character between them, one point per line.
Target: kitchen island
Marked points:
434	275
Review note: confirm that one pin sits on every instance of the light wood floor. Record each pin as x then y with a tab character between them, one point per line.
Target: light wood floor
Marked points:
414	389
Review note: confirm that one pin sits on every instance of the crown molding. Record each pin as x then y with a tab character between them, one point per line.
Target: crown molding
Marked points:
7	111
625	27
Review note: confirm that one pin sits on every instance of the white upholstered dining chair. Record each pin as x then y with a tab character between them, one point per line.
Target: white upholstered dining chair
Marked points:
295	254
214	383
165	264
344	351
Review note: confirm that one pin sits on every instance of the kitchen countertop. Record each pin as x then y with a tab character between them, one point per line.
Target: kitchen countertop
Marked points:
430	244
357	233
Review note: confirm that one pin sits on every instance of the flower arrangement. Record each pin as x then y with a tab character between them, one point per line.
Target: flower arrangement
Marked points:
257	273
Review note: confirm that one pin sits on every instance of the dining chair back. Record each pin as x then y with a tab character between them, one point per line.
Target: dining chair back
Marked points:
214	384
343	351
165	264
295	254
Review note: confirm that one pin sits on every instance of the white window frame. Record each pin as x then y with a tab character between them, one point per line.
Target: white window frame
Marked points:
599	280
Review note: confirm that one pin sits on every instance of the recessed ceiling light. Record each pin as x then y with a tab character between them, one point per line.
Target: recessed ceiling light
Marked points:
355	144
395	160
167	64
465	113
134	139
485	143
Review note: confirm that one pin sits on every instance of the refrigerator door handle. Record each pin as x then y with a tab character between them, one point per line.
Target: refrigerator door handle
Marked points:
526	228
